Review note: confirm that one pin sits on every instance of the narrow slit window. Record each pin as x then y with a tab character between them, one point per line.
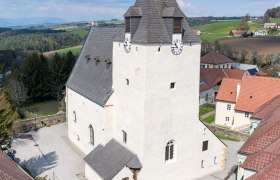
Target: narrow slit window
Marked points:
205	146
127	25
124	136
178	25
127	82
172	85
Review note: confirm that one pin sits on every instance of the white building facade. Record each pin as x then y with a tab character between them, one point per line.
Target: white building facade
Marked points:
145	96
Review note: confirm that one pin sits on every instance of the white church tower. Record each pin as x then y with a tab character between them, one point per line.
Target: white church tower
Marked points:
133	99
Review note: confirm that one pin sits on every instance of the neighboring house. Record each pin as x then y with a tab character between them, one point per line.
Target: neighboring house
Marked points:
259	157
245	67
197	32
260	33
216	60
132	99
237	33
270	25
210	81
9	170
238	100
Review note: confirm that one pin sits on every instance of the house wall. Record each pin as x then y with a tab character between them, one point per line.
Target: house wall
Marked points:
240	170
153	114
222	66
87	113
211	96
254	124
240	120
222	113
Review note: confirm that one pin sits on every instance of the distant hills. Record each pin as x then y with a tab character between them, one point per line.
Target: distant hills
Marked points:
10	22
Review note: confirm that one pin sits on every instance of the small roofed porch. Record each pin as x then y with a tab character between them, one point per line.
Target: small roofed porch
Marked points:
112	161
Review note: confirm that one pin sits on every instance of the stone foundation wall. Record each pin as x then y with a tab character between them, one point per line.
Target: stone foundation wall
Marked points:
221	130
27	125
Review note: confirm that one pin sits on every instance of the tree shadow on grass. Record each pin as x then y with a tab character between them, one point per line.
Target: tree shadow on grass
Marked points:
39	164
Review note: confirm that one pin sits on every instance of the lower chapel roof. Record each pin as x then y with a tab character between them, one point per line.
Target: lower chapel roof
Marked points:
107	161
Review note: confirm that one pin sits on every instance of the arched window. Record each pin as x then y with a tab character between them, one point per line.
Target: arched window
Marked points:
124	136
74	116
170	151
91	132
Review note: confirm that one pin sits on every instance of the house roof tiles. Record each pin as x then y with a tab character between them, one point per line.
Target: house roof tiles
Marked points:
215	58
228	90
212	76
9	170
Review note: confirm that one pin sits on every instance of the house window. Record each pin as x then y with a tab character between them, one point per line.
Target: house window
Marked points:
178	25
172	85
227	119
74	116
229	107
91	134
247	114
205	146
202	164
169	151
127	25
124	136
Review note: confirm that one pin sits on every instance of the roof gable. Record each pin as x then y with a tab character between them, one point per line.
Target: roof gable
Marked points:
215	58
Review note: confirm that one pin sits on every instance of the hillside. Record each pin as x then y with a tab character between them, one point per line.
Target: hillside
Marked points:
75	50
220	30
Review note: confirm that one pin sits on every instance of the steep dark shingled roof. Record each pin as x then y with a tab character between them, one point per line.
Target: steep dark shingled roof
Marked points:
90	78
109	160
156	22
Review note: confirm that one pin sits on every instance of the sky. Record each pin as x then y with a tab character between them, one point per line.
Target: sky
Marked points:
89	10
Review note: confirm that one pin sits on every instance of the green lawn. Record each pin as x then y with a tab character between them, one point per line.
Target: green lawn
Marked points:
210	119
220	30
75	50
41	109
204	109
78	32
225	137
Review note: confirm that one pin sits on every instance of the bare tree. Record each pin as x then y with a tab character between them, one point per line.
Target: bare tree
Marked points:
17	91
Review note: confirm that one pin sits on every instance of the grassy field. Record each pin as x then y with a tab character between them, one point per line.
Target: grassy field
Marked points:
75	50
204	109
210	119
41	109
220	30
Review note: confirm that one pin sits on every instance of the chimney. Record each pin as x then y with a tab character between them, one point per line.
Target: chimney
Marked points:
238	87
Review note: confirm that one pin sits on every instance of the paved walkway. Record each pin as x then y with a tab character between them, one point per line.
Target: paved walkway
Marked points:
49	152
207	115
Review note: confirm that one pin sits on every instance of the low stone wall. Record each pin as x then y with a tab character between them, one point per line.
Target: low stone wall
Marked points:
27	125
221	130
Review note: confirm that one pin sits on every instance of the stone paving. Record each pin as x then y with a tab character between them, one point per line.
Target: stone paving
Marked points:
48	152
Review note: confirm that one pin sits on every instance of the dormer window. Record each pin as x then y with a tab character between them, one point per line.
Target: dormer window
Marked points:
127	25
177	25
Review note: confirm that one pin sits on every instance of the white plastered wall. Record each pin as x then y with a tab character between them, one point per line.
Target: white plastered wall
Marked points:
222	112
152	114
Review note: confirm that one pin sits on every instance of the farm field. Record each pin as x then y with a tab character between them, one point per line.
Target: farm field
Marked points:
75	50
220	30
265	45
